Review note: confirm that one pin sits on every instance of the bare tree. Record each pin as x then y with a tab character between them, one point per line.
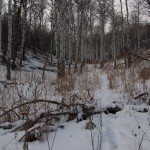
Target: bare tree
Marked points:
127	31
16	19
24	6
1	2
138	6
102	13
123	35
80	13
60	8
114	34
9	53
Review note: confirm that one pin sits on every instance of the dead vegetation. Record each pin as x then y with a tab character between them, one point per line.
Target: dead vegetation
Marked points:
144	74
133	80
34	104
27	107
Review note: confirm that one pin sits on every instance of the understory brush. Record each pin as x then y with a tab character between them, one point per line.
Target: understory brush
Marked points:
39	105
132	81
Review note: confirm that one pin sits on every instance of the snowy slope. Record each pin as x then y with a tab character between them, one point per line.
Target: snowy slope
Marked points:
128	129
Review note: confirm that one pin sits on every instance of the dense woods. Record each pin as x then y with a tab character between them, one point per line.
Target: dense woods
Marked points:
75	31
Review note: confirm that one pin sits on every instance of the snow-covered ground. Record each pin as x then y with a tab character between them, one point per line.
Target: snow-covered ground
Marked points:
128	129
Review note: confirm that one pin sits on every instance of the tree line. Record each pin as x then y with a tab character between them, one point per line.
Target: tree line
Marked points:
75	31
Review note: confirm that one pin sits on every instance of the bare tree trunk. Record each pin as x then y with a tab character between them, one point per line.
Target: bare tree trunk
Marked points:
51	47
1	2
9	40
81	44
61	62
102	43
138	30
23	30
128	44
91	35
113	34
96	50
75	51
79	36
55	27
77	43
14	34
70	46
102	5
123	39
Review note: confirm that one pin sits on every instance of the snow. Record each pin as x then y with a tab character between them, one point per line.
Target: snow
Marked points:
128	129
118	133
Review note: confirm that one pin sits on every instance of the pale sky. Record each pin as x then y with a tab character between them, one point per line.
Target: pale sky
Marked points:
131	8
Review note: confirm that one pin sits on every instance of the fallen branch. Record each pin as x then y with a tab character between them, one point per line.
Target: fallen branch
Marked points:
139	57
30	102
140	95
31	136
28	132
42	101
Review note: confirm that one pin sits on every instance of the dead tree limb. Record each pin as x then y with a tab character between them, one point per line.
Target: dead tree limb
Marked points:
140	95
42	101
140	57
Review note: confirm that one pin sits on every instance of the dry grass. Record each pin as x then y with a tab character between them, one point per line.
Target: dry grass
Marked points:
113	77
87	81
131	81
66	83
144	73
70	88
